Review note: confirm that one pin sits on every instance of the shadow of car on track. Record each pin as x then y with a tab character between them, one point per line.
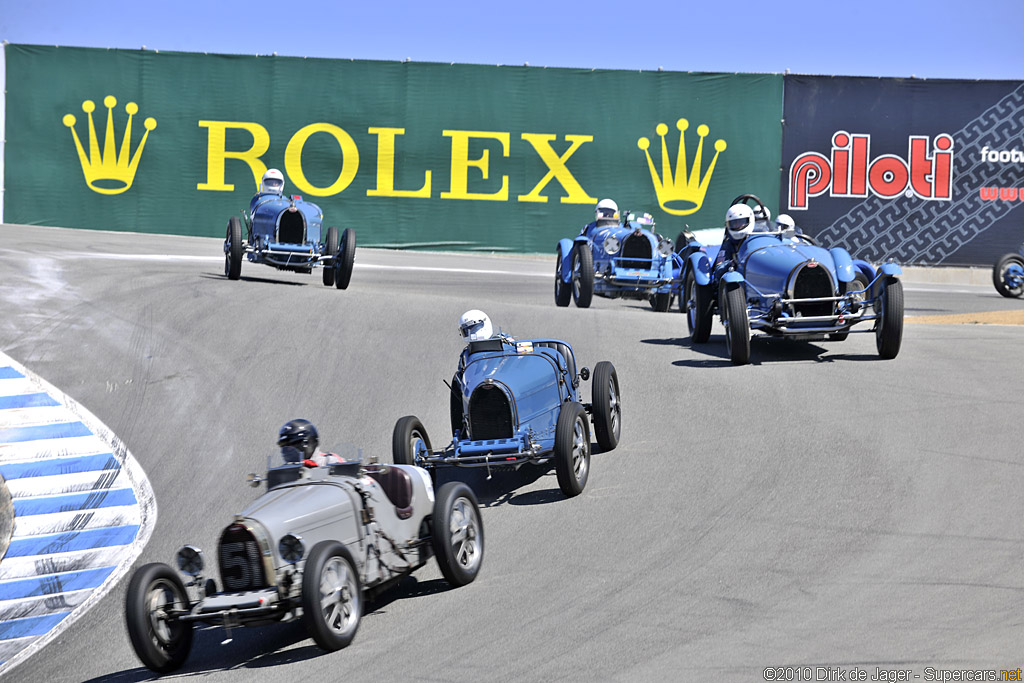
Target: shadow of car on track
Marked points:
502	486
273	645
249	278
763	350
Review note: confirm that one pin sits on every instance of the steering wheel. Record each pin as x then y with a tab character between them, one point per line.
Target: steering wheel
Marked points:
746	198
807	238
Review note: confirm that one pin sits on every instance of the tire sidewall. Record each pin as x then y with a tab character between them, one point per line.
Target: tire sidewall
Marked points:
312	612
604	376
137	618
564	441
456	574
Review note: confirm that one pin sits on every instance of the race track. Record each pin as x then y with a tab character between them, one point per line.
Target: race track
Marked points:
819	507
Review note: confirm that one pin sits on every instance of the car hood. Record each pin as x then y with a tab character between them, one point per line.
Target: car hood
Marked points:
301	507
524	376
768	262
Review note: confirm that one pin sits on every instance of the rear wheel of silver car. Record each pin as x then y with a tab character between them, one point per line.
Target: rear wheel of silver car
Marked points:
332	596
737	324
607	406
696	303
458	538
582	275
563	290
889	326
330	249
345	260
233	249
409	441
161	641
1009	283
572	449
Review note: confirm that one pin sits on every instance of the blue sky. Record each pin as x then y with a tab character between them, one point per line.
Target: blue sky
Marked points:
902	38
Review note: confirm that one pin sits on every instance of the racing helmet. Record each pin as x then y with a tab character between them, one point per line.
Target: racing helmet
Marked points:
785	224
475	326
606	210
298	440
273	182
760	215
739	221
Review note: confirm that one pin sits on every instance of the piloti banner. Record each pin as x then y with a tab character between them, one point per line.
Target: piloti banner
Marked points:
407	154
920	171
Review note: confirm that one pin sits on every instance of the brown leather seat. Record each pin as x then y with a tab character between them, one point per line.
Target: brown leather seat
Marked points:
397	485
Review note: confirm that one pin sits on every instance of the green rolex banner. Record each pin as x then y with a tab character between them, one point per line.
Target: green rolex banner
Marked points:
408	154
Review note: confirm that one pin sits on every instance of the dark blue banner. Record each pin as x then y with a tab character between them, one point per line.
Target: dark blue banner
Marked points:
920	171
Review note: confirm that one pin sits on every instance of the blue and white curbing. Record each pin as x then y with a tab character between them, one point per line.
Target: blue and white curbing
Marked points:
83	511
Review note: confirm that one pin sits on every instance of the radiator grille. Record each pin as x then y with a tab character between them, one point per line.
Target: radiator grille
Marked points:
812	283
291	228
241	565
490	416
636	252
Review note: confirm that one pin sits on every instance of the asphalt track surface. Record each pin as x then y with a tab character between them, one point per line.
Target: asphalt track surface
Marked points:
819	507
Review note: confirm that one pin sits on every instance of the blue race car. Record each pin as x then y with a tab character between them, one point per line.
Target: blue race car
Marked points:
516	402
617	260
781	283
286	233
1008	274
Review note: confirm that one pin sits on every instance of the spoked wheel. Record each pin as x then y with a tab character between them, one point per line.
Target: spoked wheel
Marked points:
696	303
345	260
458	538
330	249
563	290
1008	275
737	324
889	325
332	597
233	249
607	406
155	593
582	275
409	441
572	449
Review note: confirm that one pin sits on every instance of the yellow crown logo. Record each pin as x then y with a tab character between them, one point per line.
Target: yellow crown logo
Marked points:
110	172
683	193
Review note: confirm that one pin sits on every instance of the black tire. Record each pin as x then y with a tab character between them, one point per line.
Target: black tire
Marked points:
343	263
582	275
455	404
999	276
330	249
607	406
233	249
860	281
572	449
737	324
162	645
563	290
660	302
889	326
696	302
409	434
331	576
458	538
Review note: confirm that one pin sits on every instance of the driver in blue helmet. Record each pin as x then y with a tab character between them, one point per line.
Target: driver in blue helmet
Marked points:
300	443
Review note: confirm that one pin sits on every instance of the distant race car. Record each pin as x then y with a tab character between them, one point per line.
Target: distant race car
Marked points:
1008	274
781	283
285	232
516	402
311	547
624	260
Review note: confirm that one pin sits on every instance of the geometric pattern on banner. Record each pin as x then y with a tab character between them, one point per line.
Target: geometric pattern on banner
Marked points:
914	230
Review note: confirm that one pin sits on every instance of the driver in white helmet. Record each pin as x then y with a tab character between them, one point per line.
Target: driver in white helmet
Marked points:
739	224
271	187
762	219
475	326
786	226
606	215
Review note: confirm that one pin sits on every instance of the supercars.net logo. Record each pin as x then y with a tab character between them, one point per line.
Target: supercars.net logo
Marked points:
682	193
111	171
851	172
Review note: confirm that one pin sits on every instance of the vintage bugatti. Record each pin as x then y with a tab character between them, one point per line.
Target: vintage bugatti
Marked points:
1008	274
516	402
313	547
286	233
782	283
617	260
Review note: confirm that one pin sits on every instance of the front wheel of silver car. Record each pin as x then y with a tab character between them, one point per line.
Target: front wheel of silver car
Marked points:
572	449
332	595
458	537
155	597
